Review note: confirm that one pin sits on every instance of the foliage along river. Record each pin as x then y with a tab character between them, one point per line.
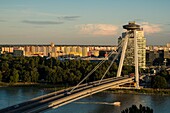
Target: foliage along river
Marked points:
98	103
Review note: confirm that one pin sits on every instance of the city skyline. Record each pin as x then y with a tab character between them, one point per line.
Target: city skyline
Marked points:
81	22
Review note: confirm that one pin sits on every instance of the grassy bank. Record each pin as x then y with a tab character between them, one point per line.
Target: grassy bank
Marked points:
141	91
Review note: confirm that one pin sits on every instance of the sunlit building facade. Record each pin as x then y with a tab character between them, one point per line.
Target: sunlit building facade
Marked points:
141	42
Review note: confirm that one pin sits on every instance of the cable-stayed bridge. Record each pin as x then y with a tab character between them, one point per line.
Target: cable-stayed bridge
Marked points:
62	97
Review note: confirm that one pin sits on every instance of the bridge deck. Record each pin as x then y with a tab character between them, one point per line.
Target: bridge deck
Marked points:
62	97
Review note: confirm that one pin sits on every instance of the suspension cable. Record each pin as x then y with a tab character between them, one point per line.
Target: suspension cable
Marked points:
110	65
119	51
91	72
97	66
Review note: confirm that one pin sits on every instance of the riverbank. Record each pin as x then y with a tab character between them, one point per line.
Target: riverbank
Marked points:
52	87
148	91
3	84
43	86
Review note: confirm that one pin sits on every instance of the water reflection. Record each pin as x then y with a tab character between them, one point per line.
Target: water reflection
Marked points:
10	96
13	95
160	102
126	100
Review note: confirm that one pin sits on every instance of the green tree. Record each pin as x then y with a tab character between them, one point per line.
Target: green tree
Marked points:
135	109
158	61
4	66
97	74
32	63
65	76
26	76
43	72
164	73
78	75
72	64
0	76
50	77
14	77
71	78
49	62
113	70
159	82
34	75
125	72
6	76
129	69
59	74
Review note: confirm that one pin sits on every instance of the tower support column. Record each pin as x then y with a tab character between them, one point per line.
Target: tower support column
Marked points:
130	38
122	56
136	60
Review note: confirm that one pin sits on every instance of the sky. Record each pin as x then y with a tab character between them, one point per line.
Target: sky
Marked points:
81	22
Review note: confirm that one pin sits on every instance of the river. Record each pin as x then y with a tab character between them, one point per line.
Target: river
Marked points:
98	103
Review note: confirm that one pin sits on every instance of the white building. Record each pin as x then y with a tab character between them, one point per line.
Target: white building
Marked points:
141	42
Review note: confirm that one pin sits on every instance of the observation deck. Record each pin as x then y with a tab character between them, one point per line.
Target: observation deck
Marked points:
131	26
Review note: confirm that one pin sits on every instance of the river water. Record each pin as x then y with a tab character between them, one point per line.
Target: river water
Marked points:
98	103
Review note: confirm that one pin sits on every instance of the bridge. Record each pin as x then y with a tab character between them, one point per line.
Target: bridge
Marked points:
65	96
62	97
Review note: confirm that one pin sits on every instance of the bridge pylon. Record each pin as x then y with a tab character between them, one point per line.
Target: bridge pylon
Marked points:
130	40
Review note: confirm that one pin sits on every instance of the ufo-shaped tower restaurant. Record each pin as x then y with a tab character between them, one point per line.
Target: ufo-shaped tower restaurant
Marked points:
131	26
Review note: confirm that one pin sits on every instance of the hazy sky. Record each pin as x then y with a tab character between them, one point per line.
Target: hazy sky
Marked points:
81	21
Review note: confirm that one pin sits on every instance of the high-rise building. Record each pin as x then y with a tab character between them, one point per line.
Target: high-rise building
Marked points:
134	29
168	45
84	51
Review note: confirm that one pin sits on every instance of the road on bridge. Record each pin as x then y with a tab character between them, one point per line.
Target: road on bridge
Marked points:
62	97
